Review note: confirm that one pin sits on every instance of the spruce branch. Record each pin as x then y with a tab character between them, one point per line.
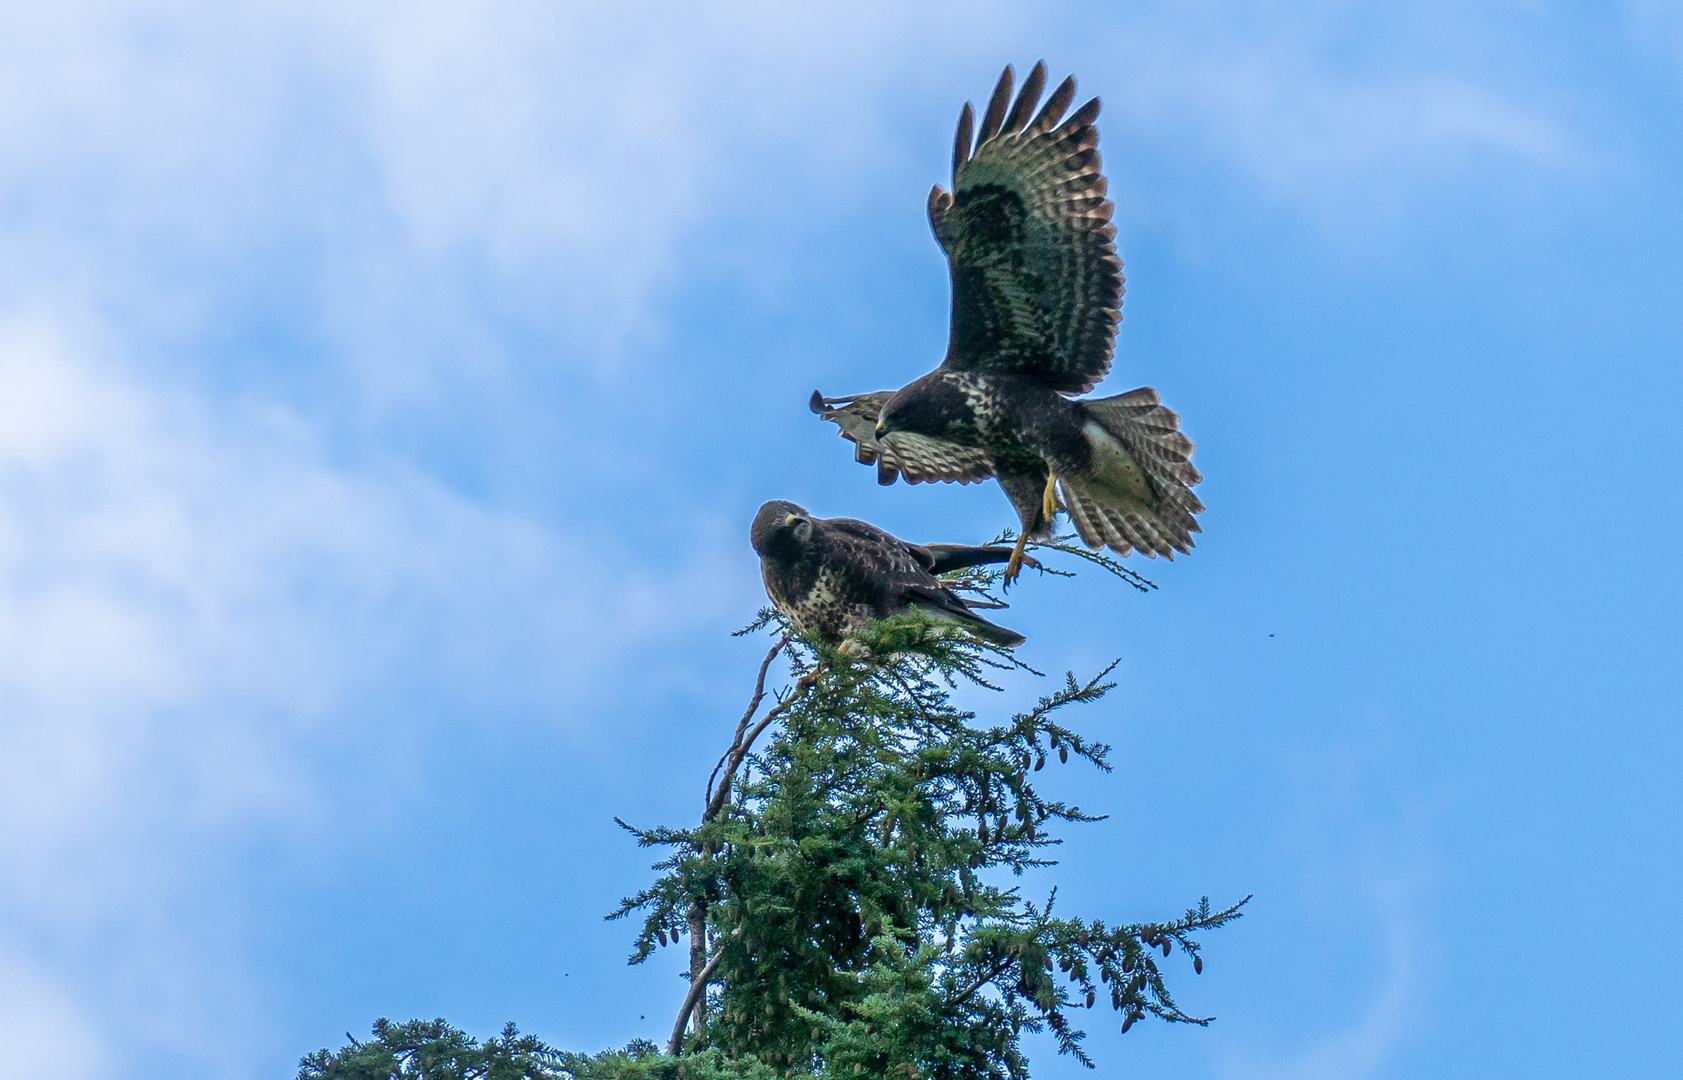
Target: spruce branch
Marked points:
983	579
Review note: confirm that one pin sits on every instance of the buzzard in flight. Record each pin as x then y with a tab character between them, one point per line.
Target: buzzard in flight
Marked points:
1036	296
828	575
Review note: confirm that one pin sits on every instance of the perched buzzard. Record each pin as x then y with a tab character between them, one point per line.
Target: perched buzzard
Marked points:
831	574
1036	295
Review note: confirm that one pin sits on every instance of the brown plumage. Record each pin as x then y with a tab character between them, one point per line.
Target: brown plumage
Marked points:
830	575
1036	296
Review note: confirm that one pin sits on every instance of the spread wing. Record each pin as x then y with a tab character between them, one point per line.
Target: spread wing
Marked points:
916	457
1037	285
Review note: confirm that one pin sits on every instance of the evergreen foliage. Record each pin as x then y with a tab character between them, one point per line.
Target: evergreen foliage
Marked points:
850	898
433	1050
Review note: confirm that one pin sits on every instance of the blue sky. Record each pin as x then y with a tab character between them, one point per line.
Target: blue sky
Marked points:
385	390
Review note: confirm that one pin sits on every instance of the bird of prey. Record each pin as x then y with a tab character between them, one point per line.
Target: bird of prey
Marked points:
1036	296
829	575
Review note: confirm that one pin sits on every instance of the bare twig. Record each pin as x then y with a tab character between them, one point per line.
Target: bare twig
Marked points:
748	714
698	988
999	968
739	749
983	578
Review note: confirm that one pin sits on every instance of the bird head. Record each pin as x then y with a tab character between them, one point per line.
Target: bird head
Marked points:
923	407
898	414
892	418
780	524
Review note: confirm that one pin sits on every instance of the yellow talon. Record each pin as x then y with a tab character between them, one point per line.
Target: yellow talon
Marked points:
1048	509
1014	565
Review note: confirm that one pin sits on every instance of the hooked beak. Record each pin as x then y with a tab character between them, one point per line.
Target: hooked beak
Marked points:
790	519
881	431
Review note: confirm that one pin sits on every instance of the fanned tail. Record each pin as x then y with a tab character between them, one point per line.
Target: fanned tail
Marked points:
1138	493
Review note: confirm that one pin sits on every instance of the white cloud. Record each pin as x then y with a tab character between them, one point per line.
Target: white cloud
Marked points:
1336	108
187	596
546	160
435	165
164	563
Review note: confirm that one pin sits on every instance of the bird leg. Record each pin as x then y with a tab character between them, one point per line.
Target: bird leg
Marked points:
1014	565
1048	509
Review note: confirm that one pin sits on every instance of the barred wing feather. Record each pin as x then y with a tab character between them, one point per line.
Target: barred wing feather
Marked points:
1036	281
918	458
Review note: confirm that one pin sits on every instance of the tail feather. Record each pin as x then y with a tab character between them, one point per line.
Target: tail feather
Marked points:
943	605
1139	494
946	558
1151	432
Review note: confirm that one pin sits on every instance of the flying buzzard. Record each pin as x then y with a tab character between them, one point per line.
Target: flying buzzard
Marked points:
1036	296
829	575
